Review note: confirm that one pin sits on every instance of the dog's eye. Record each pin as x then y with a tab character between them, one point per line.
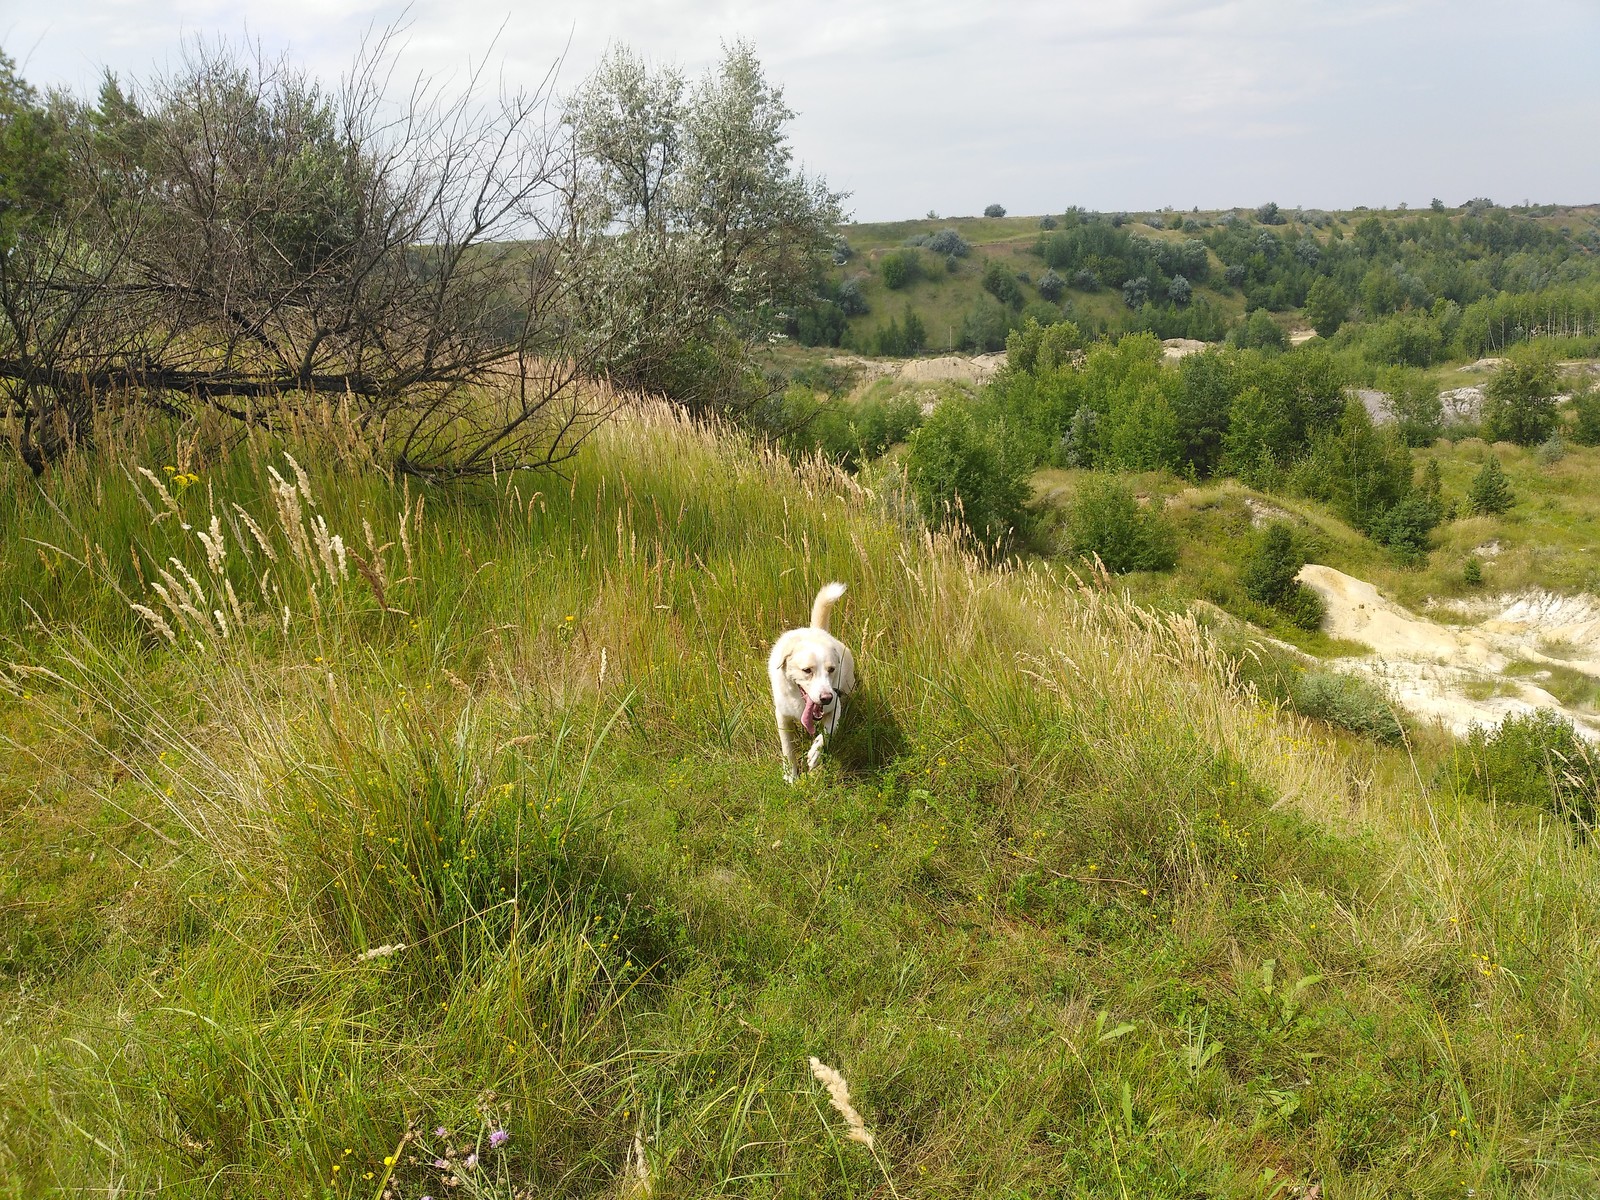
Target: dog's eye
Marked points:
805	670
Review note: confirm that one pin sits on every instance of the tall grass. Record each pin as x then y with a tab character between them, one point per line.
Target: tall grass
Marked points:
472	819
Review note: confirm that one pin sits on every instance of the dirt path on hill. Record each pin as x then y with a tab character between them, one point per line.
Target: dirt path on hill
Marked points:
1456	674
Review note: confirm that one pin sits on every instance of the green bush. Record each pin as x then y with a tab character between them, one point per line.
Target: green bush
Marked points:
1534	759
900	269
1414	404
1405	527
1304	608
949	243
1519	402
1364	471
1347	701
961	474
897	340
985	326
1271	564
852	435
1002	284
1107	521
1472	571
1326	306
1586	410
1259	331
1490	492
1042	347
852	301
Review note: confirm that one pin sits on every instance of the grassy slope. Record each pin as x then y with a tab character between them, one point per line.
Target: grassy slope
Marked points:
1070	915
943	299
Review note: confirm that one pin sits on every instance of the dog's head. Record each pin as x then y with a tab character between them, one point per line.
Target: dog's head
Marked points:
821	667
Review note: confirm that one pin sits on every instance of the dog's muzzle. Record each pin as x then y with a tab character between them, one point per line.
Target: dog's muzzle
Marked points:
814	711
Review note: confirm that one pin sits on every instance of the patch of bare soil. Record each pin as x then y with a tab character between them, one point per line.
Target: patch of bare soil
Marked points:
1172	349
952	368
945	368
1261	513
1456	674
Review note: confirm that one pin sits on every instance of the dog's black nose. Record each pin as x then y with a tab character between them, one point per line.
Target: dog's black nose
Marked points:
825	699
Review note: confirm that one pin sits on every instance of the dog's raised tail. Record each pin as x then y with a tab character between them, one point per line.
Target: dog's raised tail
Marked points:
822	606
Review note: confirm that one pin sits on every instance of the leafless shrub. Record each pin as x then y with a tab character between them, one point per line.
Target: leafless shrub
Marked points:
239	239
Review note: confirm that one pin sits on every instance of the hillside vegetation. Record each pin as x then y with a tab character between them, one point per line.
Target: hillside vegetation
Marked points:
350	826
1395	288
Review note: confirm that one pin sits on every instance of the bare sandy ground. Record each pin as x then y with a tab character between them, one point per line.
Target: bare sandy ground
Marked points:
1455	674
1172	349
953	368
945	368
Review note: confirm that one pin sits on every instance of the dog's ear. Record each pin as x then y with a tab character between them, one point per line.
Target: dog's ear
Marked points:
846	682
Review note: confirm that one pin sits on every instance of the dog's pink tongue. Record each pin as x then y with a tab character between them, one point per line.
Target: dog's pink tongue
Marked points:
811	716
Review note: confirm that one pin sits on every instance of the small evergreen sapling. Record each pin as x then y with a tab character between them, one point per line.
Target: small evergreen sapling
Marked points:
1490	493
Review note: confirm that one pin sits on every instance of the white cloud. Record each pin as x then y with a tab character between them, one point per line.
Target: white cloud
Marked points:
1034	104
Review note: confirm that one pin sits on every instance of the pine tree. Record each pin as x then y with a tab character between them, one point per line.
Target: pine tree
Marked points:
1490	491
1271	565
915	336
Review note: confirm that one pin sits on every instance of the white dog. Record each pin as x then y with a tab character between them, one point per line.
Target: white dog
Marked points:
811	672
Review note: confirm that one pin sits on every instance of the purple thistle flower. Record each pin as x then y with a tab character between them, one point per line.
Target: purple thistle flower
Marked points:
499	1138
441	1132
470	1162
442	1163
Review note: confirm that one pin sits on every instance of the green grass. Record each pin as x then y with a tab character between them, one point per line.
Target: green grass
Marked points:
1070	911
1574	688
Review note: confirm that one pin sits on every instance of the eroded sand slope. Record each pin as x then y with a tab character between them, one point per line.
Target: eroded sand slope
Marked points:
1456	674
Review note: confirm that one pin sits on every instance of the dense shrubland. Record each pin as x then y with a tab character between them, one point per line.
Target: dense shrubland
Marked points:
1283	422
1392	289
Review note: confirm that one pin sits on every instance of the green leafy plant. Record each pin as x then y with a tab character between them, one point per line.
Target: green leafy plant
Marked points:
1536	758
1106	521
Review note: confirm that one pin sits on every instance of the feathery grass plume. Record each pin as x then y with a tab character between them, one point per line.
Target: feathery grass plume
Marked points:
233	601
261	538
156	621
301	479
377	553
290	517
637	1185
216	548
383	951
161	490
839	1097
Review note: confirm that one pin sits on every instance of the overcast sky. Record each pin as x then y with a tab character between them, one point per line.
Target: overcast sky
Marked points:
1112	104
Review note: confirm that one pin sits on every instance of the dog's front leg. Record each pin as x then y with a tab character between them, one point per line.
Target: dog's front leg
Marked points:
791	757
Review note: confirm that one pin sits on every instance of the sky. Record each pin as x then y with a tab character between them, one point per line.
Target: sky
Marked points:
947	107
